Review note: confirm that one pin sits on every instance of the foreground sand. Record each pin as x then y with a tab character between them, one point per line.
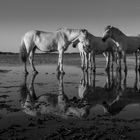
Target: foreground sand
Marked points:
46	115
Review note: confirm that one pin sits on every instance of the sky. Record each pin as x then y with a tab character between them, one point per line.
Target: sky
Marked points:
20	16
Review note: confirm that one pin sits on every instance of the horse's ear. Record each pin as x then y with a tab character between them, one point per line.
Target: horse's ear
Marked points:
108	27
84	31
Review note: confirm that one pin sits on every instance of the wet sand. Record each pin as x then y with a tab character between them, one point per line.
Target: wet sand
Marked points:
78	105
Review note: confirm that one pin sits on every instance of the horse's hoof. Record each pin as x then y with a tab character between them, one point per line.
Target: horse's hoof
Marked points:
94	70
118	69
26	72
82	67
86	69
91	68
58	74
107	69
35	72
125	70
62	72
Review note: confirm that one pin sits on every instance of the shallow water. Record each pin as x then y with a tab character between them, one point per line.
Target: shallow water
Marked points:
76	96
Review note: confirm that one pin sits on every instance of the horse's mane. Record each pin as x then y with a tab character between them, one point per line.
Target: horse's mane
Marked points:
61	28
70	29
108	27
114	28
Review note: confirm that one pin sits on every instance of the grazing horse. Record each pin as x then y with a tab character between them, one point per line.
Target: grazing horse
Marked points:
96	46
50	42
125	44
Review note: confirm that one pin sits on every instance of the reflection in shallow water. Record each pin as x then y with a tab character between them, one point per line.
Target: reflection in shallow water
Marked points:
113	98
125	95
105	105
53	104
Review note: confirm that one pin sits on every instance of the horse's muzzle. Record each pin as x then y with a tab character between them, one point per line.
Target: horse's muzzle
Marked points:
103	39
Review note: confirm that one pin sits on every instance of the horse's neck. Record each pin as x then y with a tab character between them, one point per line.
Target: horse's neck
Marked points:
119	37
94	39
97	43
72	36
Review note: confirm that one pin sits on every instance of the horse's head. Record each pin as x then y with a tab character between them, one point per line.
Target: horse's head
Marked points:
108	33
84	37
113	33
75	43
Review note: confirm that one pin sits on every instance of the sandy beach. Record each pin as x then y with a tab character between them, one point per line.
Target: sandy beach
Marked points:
79	105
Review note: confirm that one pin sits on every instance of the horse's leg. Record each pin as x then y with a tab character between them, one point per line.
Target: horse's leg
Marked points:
113	59
82	60
60	59
94	63
107	57
139	59
124	60
108	65
86	61
58	65
119	63
136	60
31	59
25	68
136	81
89	59
31	87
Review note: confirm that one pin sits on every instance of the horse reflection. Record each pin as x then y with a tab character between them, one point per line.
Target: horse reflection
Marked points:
88	89
94	95
87	83
113	97
49	104
125	95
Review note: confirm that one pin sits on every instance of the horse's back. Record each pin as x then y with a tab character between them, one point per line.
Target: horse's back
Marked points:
132	43
99	45
46	41
29	34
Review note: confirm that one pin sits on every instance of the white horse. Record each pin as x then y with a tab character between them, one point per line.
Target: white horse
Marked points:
124	43
96	46
49	42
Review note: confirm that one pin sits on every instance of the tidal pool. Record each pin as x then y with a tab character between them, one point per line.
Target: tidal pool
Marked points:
39	106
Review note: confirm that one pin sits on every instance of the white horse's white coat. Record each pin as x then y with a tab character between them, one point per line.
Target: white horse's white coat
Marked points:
50	42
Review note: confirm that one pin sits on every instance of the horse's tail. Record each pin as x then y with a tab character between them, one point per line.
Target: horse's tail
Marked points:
23	52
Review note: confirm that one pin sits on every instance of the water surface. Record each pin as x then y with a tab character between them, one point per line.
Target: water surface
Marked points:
50	101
